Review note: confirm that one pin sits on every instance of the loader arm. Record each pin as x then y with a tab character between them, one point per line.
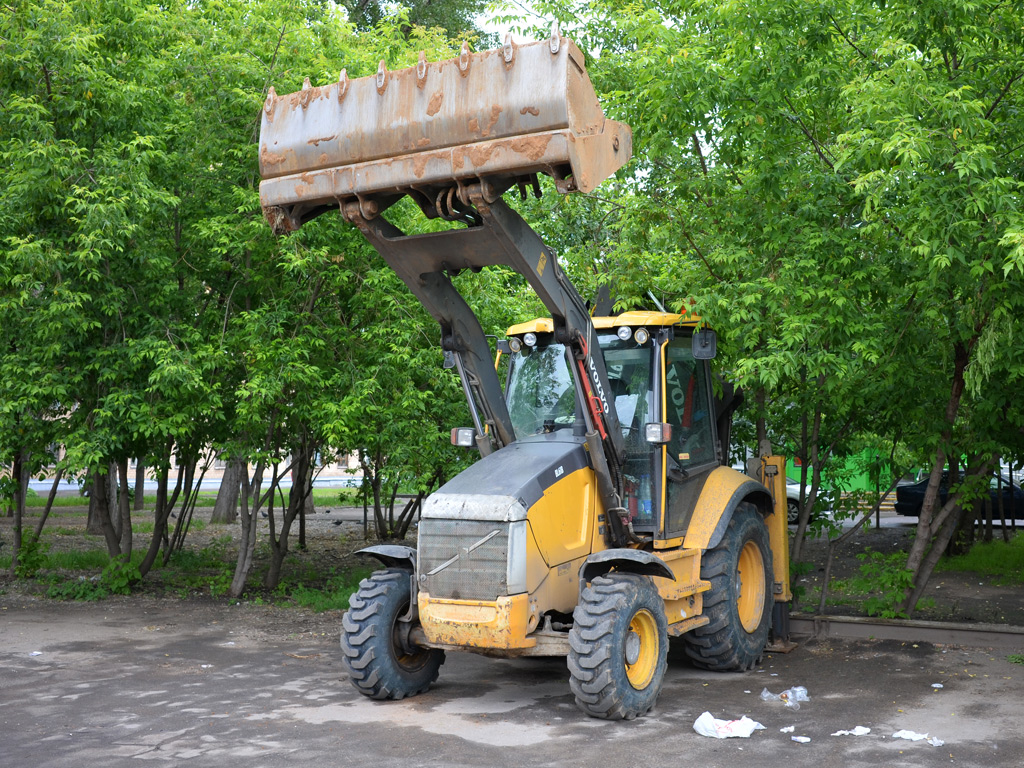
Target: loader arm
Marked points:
455	136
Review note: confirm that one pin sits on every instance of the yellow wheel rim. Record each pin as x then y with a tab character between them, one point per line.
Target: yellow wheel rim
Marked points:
750	586
641	652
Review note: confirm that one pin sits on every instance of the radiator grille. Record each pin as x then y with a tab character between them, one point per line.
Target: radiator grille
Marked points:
479	553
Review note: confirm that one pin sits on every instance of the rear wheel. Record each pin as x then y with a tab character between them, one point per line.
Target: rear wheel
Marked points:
382	663
739	603
618	647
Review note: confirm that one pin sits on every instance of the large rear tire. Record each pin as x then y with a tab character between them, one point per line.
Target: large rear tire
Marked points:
739	603
382	663
618	647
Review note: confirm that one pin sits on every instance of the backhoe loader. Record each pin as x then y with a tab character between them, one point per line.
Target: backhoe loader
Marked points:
600	519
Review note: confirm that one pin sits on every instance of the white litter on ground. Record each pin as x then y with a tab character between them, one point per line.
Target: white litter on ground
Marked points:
801	739
859	730
787	729
708	725
935	741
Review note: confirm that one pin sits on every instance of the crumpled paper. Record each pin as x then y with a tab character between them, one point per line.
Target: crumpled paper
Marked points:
708	725
935	741
859	730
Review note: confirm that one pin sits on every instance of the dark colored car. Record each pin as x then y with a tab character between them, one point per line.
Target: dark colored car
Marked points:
910	498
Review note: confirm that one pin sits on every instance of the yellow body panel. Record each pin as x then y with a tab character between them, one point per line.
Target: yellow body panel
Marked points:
718	490
563	520
562	526
499	625
632	319
778	528
683	597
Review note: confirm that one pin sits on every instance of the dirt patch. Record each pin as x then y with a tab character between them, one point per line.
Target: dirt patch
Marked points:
950	596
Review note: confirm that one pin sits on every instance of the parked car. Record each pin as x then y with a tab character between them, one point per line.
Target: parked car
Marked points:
793	502
910	498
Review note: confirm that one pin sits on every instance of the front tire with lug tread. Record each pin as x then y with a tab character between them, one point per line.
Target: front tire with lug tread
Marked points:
381	662
618	647
739	603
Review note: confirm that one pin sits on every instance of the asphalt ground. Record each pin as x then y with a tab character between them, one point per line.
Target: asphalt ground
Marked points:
84	686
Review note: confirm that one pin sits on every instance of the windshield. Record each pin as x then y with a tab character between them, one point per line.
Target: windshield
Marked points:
541	396
540	390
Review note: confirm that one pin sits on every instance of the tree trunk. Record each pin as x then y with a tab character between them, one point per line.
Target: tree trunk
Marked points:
99	497
19	473
947	521
94	526
225	509
124	510
931	518
297	495
807	500
49	503
113	510
160	515
249	516
140	485
764	443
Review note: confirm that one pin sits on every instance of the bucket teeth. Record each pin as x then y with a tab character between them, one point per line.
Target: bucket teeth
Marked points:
500	116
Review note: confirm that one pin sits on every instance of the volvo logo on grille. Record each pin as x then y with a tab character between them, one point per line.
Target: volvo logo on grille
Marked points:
465	551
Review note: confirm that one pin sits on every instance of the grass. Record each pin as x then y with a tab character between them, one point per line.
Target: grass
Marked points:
1002	562
333	596
39	502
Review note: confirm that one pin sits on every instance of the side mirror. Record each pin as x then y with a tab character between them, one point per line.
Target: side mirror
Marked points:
464	437
657	432
705	344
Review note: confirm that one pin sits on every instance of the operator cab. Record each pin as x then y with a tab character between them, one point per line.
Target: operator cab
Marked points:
655	380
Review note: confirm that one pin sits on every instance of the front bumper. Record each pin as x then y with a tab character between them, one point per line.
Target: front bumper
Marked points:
481	625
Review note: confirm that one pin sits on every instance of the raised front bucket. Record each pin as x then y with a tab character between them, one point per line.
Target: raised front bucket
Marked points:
498	116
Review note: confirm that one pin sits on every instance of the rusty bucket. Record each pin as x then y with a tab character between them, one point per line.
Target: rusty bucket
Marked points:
498	116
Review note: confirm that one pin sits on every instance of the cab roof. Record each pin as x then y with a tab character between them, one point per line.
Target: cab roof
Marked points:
632	319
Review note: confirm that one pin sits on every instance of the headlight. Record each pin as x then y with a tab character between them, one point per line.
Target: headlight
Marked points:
516	575
623	333
641	336
530	339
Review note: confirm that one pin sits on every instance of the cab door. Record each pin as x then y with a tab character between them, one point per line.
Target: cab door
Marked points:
691	453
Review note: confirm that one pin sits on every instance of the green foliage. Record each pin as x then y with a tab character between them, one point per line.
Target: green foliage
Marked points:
117	578
32	557
333	596
883	579
211	568
835	187
999	560
796	571
1015	658
78	560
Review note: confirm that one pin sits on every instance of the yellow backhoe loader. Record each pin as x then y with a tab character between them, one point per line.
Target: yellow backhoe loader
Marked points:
601	519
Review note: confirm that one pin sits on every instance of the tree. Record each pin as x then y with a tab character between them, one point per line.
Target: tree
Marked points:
834	187
934	145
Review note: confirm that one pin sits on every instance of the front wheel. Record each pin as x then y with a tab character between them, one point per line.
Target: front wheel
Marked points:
382	663
618	647
739	603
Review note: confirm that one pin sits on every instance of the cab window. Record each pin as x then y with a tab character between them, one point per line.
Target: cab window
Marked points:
687	408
